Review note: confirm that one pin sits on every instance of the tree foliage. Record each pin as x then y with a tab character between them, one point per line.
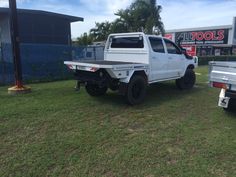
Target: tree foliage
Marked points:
101	31
84	40
140	16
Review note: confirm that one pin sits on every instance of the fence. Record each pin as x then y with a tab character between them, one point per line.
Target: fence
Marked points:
43	62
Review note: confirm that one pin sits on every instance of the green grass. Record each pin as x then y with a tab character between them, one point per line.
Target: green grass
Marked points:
55	131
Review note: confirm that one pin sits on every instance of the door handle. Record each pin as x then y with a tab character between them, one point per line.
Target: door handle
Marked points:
170	58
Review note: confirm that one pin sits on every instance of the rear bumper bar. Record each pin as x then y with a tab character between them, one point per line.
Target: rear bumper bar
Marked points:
100	77
230	94
225	97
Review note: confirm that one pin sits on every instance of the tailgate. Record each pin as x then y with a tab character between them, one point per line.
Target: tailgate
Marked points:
93	66
85	66
223	72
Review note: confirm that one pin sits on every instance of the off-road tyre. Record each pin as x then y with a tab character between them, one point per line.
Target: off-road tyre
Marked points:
187	81
136	90
95	90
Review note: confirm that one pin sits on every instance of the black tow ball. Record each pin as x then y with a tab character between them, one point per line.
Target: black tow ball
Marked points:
77	86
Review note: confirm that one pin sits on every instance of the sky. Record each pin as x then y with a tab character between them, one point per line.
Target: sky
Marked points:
176	14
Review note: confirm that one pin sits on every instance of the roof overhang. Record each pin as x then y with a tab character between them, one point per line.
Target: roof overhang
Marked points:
200	28
41	12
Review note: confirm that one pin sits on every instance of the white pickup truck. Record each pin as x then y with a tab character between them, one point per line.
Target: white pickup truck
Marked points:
223	75
132	61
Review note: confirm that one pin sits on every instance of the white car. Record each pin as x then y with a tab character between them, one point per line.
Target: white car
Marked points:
132	61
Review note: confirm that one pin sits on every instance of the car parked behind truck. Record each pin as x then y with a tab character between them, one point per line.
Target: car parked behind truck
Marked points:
132	61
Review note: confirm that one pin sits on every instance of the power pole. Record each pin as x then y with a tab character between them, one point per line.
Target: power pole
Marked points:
15	42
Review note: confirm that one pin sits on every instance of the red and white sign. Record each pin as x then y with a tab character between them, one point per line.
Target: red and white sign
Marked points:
191	49
169	36
217	36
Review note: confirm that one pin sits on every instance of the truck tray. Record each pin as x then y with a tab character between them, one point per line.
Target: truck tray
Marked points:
104	62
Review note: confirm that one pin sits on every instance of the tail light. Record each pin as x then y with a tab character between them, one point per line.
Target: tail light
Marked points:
220	85
70	66
93	69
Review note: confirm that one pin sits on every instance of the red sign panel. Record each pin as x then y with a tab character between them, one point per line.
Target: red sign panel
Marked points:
169	36
191	49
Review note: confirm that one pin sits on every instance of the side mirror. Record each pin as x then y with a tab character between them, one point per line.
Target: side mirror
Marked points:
184	51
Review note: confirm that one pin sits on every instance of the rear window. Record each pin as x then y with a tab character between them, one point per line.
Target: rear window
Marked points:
127	42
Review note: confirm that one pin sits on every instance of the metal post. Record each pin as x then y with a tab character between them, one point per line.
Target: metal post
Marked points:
15	42
94	53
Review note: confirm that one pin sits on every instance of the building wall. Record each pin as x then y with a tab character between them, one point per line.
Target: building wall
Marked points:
230	41
37	29
211	46
205	41
234	31
40	29
5	29
45	45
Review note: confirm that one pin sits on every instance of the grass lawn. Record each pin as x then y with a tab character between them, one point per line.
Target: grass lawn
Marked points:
55	131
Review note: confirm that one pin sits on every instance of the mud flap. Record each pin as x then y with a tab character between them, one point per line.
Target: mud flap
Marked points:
223	101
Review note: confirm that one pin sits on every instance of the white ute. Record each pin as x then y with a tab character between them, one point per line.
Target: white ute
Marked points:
223	75
132	61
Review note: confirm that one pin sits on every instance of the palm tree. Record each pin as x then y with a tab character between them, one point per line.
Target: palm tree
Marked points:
101	31
154	23
142	15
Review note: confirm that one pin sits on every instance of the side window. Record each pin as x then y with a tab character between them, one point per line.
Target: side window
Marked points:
157	45
172	48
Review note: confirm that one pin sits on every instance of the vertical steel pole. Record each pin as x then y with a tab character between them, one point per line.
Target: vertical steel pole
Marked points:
15	42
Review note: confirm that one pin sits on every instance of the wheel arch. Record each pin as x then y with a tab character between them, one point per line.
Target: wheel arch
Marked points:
191	66
142	73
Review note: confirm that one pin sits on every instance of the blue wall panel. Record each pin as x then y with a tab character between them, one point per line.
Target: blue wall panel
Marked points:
39	62
44	61
6	65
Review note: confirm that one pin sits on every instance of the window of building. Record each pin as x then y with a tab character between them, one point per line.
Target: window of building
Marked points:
205	51
157	45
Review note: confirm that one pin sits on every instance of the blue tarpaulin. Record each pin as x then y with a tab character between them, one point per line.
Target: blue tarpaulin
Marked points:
43	61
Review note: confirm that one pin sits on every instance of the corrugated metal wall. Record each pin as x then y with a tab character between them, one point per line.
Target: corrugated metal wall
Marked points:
43	62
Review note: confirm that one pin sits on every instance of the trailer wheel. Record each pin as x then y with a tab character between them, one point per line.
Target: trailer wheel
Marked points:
136	90
187	81
231	106
95	90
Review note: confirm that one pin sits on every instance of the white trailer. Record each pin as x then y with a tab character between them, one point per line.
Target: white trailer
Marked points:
132	61
223	75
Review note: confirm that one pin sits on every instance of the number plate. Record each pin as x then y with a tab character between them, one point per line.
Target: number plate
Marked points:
81	67
224	102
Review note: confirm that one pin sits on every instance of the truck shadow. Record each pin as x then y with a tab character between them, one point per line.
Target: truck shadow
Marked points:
157	94
232	114
160	93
